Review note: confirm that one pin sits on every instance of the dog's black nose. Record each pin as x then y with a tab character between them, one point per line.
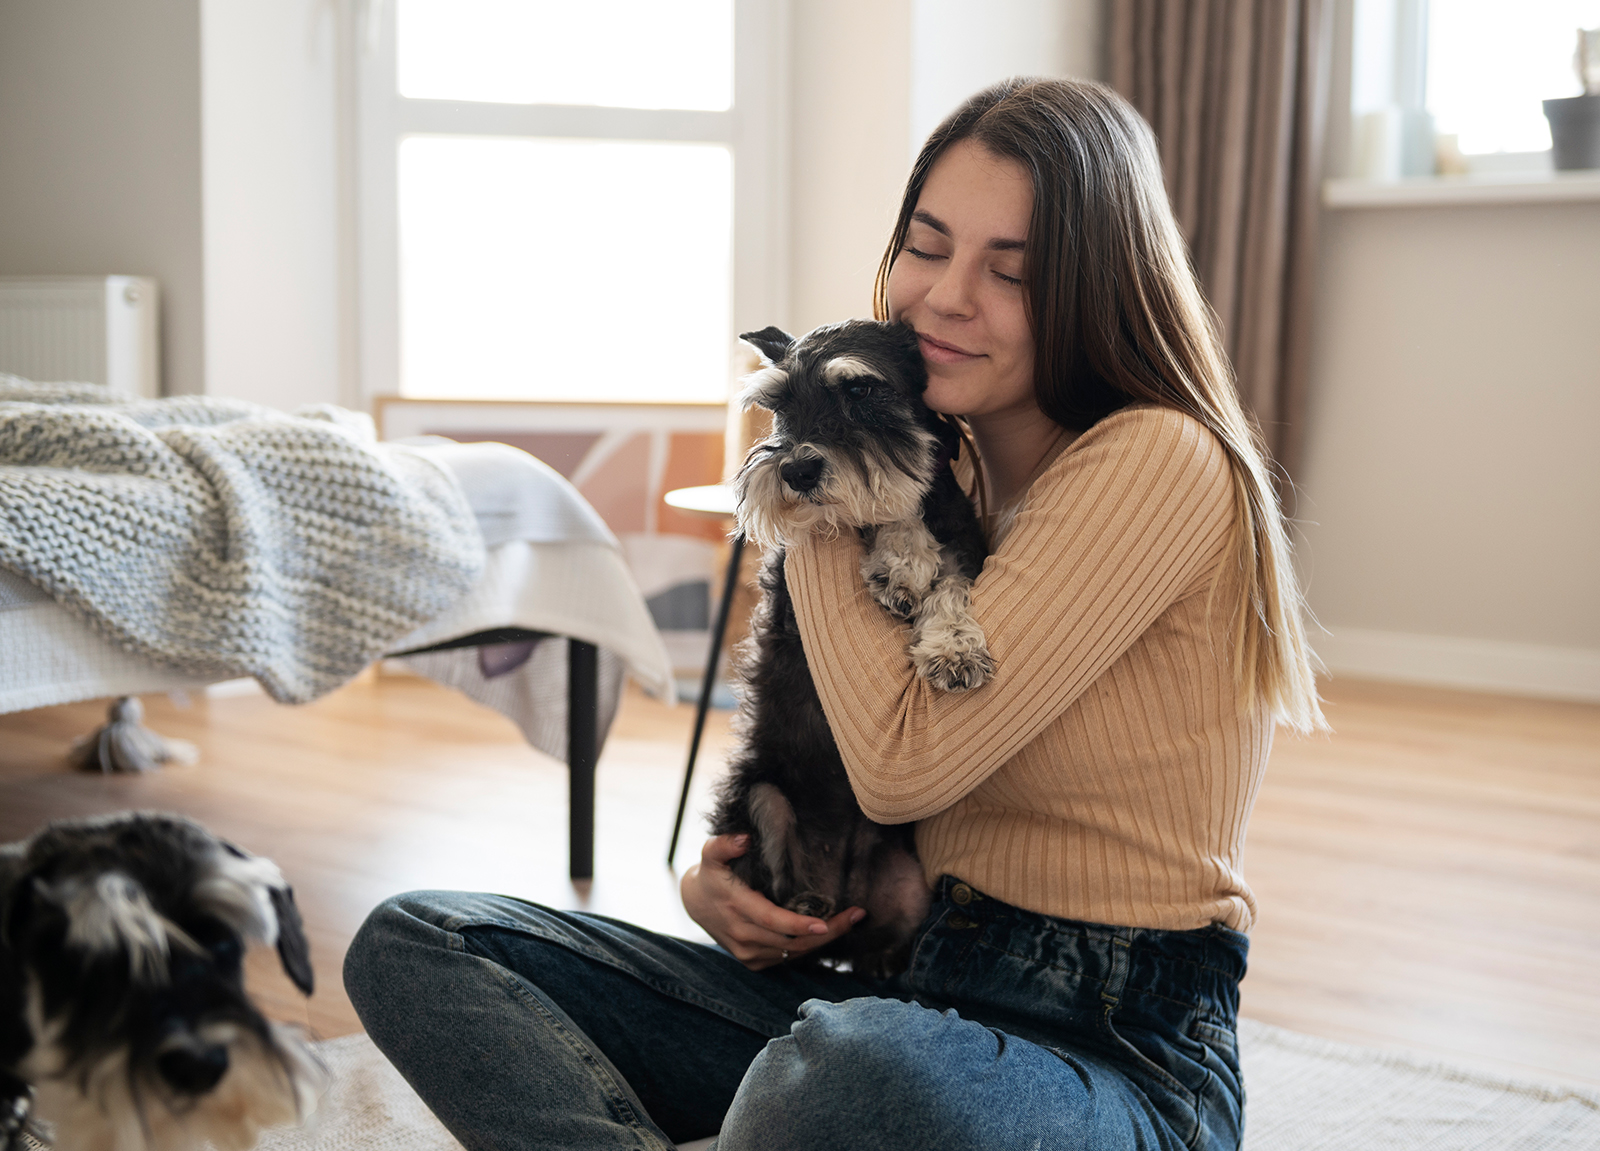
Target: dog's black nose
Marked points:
802	475
194	1070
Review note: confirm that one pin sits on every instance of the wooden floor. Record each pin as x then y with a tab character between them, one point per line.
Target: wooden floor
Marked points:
1429	876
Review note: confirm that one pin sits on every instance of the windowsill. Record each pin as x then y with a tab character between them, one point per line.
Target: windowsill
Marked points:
1478	188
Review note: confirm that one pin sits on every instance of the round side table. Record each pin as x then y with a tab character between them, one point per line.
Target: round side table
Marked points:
710	500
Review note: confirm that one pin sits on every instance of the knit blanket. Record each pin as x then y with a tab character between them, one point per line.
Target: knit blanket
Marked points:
227	539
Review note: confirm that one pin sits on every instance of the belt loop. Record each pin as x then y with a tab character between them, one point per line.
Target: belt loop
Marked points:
1117	977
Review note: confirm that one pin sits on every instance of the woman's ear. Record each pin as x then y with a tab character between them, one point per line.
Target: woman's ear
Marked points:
772	343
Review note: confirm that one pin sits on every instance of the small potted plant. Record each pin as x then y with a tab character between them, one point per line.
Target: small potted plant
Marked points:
1575	121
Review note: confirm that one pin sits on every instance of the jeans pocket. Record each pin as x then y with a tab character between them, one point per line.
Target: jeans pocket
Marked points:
1220	1038
1153	1063
1220	1098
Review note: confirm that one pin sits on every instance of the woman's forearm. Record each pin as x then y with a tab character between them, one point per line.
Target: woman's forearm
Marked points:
1137	514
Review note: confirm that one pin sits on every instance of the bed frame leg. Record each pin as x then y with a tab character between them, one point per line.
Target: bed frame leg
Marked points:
583	709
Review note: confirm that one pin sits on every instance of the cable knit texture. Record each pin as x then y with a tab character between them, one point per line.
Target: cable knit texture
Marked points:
227	539
1107	772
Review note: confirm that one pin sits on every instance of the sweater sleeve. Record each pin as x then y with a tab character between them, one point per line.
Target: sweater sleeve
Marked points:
1136	514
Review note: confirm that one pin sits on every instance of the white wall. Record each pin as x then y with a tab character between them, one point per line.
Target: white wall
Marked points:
869	81
1451	489
193	142
100	153
849	110
270	172
958	47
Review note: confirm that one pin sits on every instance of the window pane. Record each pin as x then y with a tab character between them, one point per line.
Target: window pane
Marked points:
1492	62
616	53
564	269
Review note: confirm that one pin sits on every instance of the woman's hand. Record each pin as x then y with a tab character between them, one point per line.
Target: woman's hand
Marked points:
756	931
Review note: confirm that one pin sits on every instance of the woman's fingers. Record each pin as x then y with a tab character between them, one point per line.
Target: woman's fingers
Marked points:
755	931
720	849
759	942
835	927
765	914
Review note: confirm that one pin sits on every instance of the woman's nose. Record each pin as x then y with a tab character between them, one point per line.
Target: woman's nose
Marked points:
951	292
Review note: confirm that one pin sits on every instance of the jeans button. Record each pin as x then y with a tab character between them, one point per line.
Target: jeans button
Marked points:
960	922
961	893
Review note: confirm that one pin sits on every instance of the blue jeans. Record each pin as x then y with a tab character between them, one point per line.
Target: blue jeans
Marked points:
527	1028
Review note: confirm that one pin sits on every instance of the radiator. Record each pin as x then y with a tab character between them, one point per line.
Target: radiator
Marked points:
100	329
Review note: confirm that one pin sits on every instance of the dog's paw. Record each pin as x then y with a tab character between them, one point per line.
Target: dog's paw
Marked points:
953	668
896	598
811	903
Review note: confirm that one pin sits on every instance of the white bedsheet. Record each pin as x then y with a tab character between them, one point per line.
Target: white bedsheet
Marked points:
583	590
48	656
569	579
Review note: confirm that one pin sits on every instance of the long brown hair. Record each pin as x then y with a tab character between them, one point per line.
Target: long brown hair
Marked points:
1118	318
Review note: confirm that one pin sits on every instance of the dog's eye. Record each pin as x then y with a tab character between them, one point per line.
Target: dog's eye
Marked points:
858	391
226	953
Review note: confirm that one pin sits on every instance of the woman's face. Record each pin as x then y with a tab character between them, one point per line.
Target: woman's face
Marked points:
958	283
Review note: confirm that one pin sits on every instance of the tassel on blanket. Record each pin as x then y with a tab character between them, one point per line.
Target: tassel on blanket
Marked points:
125	744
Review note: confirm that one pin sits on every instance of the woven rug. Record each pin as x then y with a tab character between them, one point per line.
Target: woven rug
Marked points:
1306	1094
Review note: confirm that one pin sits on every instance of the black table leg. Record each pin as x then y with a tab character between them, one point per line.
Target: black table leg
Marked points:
730	582
583	708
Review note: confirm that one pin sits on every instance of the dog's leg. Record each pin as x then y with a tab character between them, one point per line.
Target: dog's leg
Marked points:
900	566
949	649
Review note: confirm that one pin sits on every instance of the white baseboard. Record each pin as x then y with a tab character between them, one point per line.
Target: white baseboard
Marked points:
1474	664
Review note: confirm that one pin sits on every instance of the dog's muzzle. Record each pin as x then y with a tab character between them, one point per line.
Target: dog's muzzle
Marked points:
804	474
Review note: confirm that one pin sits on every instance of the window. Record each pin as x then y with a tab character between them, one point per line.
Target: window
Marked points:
1491	63
568	202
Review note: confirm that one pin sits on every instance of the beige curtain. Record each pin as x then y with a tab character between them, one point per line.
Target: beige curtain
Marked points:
1236	91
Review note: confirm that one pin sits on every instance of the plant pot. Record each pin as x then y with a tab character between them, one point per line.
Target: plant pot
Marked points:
1574	131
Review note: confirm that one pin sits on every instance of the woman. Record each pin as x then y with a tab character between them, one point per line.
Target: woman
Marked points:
1081	817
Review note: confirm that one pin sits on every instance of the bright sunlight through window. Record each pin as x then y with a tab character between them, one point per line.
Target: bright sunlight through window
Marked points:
614	53
562	269
1492	62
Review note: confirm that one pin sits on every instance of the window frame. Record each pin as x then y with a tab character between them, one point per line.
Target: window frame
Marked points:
755	130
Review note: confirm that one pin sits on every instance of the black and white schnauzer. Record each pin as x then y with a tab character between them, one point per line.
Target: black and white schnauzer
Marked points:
853	447
123	1015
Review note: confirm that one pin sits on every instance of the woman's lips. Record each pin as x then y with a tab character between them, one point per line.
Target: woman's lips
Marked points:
939	352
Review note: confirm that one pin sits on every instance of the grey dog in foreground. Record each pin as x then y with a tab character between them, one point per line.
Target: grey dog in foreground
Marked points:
853	448
124	1022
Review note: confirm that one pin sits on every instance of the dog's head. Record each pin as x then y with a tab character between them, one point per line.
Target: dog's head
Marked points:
123	939
852	443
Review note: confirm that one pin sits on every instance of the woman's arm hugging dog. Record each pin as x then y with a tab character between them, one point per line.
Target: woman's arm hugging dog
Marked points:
123	1013
852	447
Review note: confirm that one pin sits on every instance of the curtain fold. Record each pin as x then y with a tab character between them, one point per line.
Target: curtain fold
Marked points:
1236	92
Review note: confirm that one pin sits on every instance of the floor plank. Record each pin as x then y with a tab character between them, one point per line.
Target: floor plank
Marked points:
1429	875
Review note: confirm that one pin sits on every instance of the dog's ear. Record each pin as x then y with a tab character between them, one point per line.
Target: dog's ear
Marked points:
772	343
15	892
293	951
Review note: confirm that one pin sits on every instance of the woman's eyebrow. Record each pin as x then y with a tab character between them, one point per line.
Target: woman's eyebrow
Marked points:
938	225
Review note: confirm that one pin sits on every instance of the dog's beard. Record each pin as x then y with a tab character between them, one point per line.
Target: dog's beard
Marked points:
110	1104
854	491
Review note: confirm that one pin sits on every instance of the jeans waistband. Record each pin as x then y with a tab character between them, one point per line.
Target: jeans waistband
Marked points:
974	946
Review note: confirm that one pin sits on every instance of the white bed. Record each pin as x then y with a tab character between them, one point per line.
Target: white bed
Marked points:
553	570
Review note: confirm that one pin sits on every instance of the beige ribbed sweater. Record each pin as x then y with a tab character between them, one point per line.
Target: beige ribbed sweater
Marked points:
1106	772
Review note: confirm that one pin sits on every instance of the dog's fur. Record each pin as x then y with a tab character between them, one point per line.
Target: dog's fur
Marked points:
853	447
123	1013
